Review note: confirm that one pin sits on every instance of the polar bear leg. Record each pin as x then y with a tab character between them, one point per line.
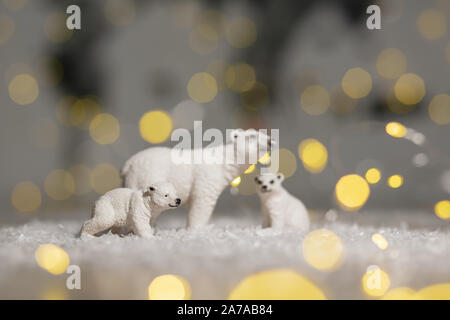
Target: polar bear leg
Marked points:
95	225
201	209
141	225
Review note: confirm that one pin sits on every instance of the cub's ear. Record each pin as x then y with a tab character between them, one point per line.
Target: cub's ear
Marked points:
280	176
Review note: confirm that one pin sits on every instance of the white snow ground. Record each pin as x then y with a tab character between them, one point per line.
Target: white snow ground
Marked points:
215	259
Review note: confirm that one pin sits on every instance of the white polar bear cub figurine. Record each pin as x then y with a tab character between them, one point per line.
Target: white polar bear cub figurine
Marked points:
135	210
280	209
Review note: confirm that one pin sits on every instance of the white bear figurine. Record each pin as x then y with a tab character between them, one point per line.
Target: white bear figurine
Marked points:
198	184
280	209
135	210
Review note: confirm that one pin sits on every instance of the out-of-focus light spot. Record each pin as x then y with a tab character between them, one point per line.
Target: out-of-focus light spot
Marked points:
50	71
375	282
373	175
7	27
432	24
445	181
218	69
402	293
54	294
203	39
214	19
240	77
435	292
415	137
340	103
236	182
313	154
83	111
395	105
186	112
278	284
23	89
331	215
323	250
45	134
55	28
104	177
265	159
169	287
15	5
202	87
391	63
81	175
420	160
63	108
356	83
396	129
59	184
241	32
442	209
250	169
315	100
409	89
26	197
120	13
352	192
104	128
256	98
395	181
155	126
439	109
287	162
52	258
380	241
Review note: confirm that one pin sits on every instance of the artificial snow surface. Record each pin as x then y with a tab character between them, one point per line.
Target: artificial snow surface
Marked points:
216	258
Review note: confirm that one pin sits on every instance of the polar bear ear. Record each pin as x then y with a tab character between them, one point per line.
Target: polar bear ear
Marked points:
280	176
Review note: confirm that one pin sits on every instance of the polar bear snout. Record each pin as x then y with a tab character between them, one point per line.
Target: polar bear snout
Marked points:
177	203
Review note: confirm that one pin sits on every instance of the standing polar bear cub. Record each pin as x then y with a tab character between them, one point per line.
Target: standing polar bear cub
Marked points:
280	209
135	210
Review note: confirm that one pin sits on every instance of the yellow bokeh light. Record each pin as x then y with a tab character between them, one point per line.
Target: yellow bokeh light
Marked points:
26	197
82	111
323	250
241	32
395	105
278	284
59	184
409	89
256	98
15	5
435	292
105	177
356	83
7	27
203	39
373	175
55	28
395	181
313	154
439	109
396	129
442	209
120	12
236	181
155	126
391	63
250	169
63	110
104	128
23	89
432	24
287	162
202	87
169	287
375	282
315	100
52	258
401	293
240	77
265	159
53	293
352	192
81	174
380	241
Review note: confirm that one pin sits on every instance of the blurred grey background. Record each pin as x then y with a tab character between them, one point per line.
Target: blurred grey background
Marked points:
132	57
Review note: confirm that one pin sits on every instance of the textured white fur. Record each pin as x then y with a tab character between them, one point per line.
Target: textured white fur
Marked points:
280	209
198	185
134	210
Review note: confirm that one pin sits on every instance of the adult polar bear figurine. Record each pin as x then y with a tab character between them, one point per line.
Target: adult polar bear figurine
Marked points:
197	183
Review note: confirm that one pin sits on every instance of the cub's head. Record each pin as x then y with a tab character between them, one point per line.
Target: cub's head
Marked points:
251	142
163	195
269	182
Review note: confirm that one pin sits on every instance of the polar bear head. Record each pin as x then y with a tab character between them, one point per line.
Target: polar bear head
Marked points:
251	144
269	182
163	195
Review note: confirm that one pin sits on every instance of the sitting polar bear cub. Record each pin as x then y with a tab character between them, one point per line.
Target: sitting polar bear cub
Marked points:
280	209
135	210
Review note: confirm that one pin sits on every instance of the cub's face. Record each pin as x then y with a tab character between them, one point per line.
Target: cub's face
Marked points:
269	182
163	195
